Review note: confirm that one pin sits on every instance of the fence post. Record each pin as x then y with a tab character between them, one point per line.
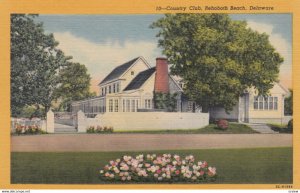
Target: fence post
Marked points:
50	122
81	122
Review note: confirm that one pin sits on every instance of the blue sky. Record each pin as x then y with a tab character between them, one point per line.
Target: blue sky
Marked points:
102	42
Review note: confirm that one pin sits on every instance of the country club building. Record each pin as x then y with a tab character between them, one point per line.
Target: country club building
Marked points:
130	87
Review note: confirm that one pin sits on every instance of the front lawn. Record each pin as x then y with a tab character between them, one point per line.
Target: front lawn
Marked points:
233	128
234	166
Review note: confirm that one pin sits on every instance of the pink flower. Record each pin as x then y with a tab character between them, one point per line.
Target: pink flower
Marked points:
212	171
177	172
204	164
201	173
158	171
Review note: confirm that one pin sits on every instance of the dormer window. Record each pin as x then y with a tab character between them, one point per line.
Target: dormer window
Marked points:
132	73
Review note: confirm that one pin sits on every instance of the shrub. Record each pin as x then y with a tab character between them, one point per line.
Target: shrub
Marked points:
91	129
99	129
222	124
19	129
162	168
290	125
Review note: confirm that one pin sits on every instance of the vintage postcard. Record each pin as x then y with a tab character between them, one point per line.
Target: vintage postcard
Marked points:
152	95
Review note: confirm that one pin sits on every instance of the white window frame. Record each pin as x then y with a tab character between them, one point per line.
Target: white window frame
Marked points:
268	104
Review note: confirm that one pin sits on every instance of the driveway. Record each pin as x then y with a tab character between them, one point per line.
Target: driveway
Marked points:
139	142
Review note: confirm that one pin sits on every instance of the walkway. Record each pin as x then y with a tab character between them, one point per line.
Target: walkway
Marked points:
139	142
60	128
261	128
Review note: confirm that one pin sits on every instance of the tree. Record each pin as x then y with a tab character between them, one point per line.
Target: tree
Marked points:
74	84
288	104
35	62
218	58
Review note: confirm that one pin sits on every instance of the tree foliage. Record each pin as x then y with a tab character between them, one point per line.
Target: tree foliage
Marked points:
218	58
35	61
39	69
74	84
166	101
288	104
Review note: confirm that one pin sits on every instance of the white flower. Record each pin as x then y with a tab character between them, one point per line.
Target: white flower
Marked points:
164	175
159	178
194	178
116	170
112	176
123	178
155	175
174	163
140	165
129	178
101	171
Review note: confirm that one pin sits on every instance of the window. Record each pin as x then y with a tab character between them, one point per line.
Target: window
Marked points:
137	104
109	89
102	91
110	105
255	102
260	102
118	87
127	105
148	104
133	106
124	105
116	105
105	90
265	103
271	103
132	73
190	106
114	90
275	103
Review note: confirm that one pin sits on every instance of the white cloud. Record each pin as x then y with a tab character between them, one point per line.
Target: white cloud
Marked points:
101	58
282	46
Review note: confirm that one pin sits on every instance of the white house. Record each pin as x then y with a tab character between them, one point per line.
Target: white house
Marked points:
130	87
252	108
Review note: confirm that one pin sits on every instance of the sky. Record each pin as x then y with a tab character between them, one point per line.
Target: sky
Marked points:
102	42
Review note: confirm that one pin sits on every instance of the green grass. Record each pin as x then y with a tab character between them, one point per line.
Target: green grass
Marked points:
233	128
234	166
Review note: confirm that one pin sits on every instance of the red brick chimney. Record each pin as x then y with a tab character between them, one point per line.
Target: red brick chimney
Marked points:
162	76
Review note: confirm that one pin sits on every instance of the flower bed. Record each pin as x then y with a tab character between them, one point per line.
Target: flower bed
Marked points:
155	168
99	129
30	129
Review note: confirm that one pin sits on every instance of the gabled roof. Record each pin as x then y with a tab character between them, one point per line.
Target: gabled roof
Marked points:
140	79
118	71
